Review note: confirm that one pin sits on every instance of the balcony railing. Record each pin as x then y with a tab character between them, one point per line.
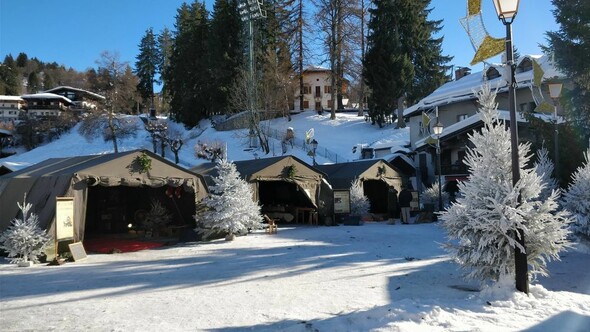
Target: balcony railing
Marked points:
452	169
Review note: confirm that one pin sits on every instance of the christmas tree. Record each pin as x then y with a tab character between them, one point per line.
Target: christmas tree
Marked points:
24	240
230	207
544	168
577	197
482	225
156	218
359	203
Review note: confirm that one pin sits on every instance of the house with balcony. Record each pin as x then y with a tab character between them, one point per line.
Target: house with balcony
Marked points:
46	105
455	106
82	100
317	90
11	108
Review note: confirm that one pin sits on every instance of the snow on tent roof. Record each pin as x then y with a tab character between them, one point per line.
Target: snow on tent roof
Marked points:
466	87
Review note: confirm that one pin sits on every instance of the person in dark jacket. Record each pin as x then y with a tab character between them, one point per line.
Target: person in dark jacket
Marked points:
404	200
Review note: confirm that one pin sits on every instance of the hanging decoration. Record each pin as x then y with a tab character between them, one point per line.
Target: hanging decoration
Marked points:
485	46
542	105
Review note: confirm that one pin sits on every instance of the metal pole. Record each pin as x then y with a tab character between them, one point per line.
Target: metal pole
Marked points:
520	257
440	202
556	143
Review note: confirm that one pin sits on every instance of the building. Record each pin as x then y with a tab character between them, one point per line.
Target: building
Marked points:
82	100
44	105
10	108
317	90
455	106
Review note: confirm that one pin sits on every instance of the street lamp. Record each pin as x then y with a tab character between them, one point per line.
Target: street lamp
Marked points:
438	129
314	146
555	92
506	10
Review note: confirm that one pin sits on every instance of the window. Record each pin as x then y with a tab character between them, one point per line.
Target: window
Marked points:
327	89
525	65
462	117
306	90
492	73
306	104
11	105
329	103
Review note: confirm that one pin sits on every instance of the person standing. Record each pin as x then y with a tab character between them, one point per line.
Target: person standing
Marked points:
404	200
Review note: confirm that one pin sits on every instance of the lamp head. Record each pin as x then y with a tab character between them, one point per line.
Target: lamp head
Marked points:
555	90
314	144
506	10
438	128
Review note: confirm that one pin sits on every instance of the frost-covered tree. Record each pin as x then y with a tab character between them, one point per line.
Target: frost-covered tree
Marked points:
359	203
157	217
544	168
230	207
577	197
482	225
430	195
24	240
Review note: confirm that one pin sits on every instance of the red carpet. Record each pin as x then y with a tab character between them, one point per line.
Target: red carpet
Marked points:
113	245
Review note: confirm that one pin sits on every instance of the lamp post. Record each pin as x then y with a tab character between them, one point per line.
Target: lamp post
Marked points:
438	129
314	146
555	92
506	10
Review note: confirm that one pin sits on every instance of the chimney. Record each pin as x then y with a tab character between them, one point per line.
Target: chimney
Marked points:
462	72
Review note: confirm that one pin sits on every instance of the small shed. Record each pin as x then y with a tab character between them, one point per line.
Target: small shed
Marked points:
286	187
381	183
108	191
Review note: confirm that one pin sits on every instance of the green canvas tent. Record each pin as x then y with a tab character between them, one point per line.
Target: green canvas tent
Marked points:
107	190
283	185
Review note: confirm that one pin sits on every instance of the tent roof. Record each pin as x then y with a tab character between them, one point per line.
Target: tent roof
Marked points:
341	175
255	168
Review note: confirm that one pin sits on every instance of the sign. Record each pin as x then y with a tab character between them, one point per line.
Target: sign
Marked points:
78	251
64	218
342	201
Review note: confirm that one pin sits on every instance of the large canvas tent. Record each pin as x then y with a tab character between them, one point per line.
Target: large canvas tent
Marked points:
283	185
381	181
90	181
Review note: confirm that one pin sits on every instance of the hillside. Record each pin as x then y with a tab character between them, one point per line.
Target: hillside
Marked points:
335	137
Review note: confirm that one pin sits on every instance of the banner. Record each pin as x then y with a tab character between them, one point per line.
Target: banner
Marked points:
342	201
64	218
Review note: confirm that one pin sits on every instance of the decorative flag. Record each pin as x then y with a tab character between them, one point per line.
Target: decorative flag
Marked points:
485	46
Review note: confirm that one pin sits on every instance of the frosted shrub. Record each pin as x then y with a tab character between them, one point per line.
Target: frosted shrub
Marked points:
359	203
24	240
577	198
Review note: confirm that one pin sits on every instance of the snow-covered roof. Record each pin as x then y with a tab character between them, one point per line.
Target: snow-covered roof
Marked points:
46	95
65	87
466	87
474	120
10	98
315	69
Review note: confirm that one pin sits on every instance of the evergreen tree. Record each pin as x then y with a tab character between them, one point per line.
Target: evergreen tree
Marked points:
359	203
24	240
226	53
146	66
230	206
544	168
188	77
570	46
165	44
403	60
21	60
34	84
577	197
9	77
483	223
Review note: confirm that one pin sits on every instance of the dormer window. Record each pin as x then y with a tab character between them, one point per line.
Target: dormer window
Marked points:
525	65
492	73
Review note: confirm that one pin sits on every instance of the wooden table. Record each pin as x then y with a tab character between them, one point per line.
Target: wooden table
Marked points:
312	217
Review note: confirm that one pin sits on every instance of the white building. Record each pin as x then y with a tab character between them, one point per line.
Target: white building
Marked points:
317	90
10	107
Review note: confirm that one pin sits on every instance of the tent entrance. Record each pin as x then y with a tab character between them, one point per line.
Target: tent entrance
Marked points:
281	199
377	192
119	210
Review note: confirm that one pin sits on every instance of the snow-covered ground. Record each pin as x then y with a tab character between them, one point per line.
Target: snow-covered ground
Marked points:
375	277
338	136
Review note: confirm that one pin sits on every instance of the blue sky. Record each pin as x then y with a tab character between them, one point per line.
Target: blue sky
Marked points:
75	32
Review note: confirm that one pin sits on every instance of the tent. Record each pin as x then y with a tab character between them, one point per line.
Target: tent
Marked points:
381	183
286	187
107	190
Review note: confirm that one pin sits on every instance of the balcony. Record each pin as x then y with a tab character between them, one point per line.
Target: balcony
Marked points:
457	169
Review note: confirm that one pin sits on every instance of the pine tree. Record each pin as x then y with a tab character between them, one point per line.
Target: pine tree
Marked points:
157	217
24	240
146	66
482	224
359	203
544	168
231	208
226	52
570	46
577	197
